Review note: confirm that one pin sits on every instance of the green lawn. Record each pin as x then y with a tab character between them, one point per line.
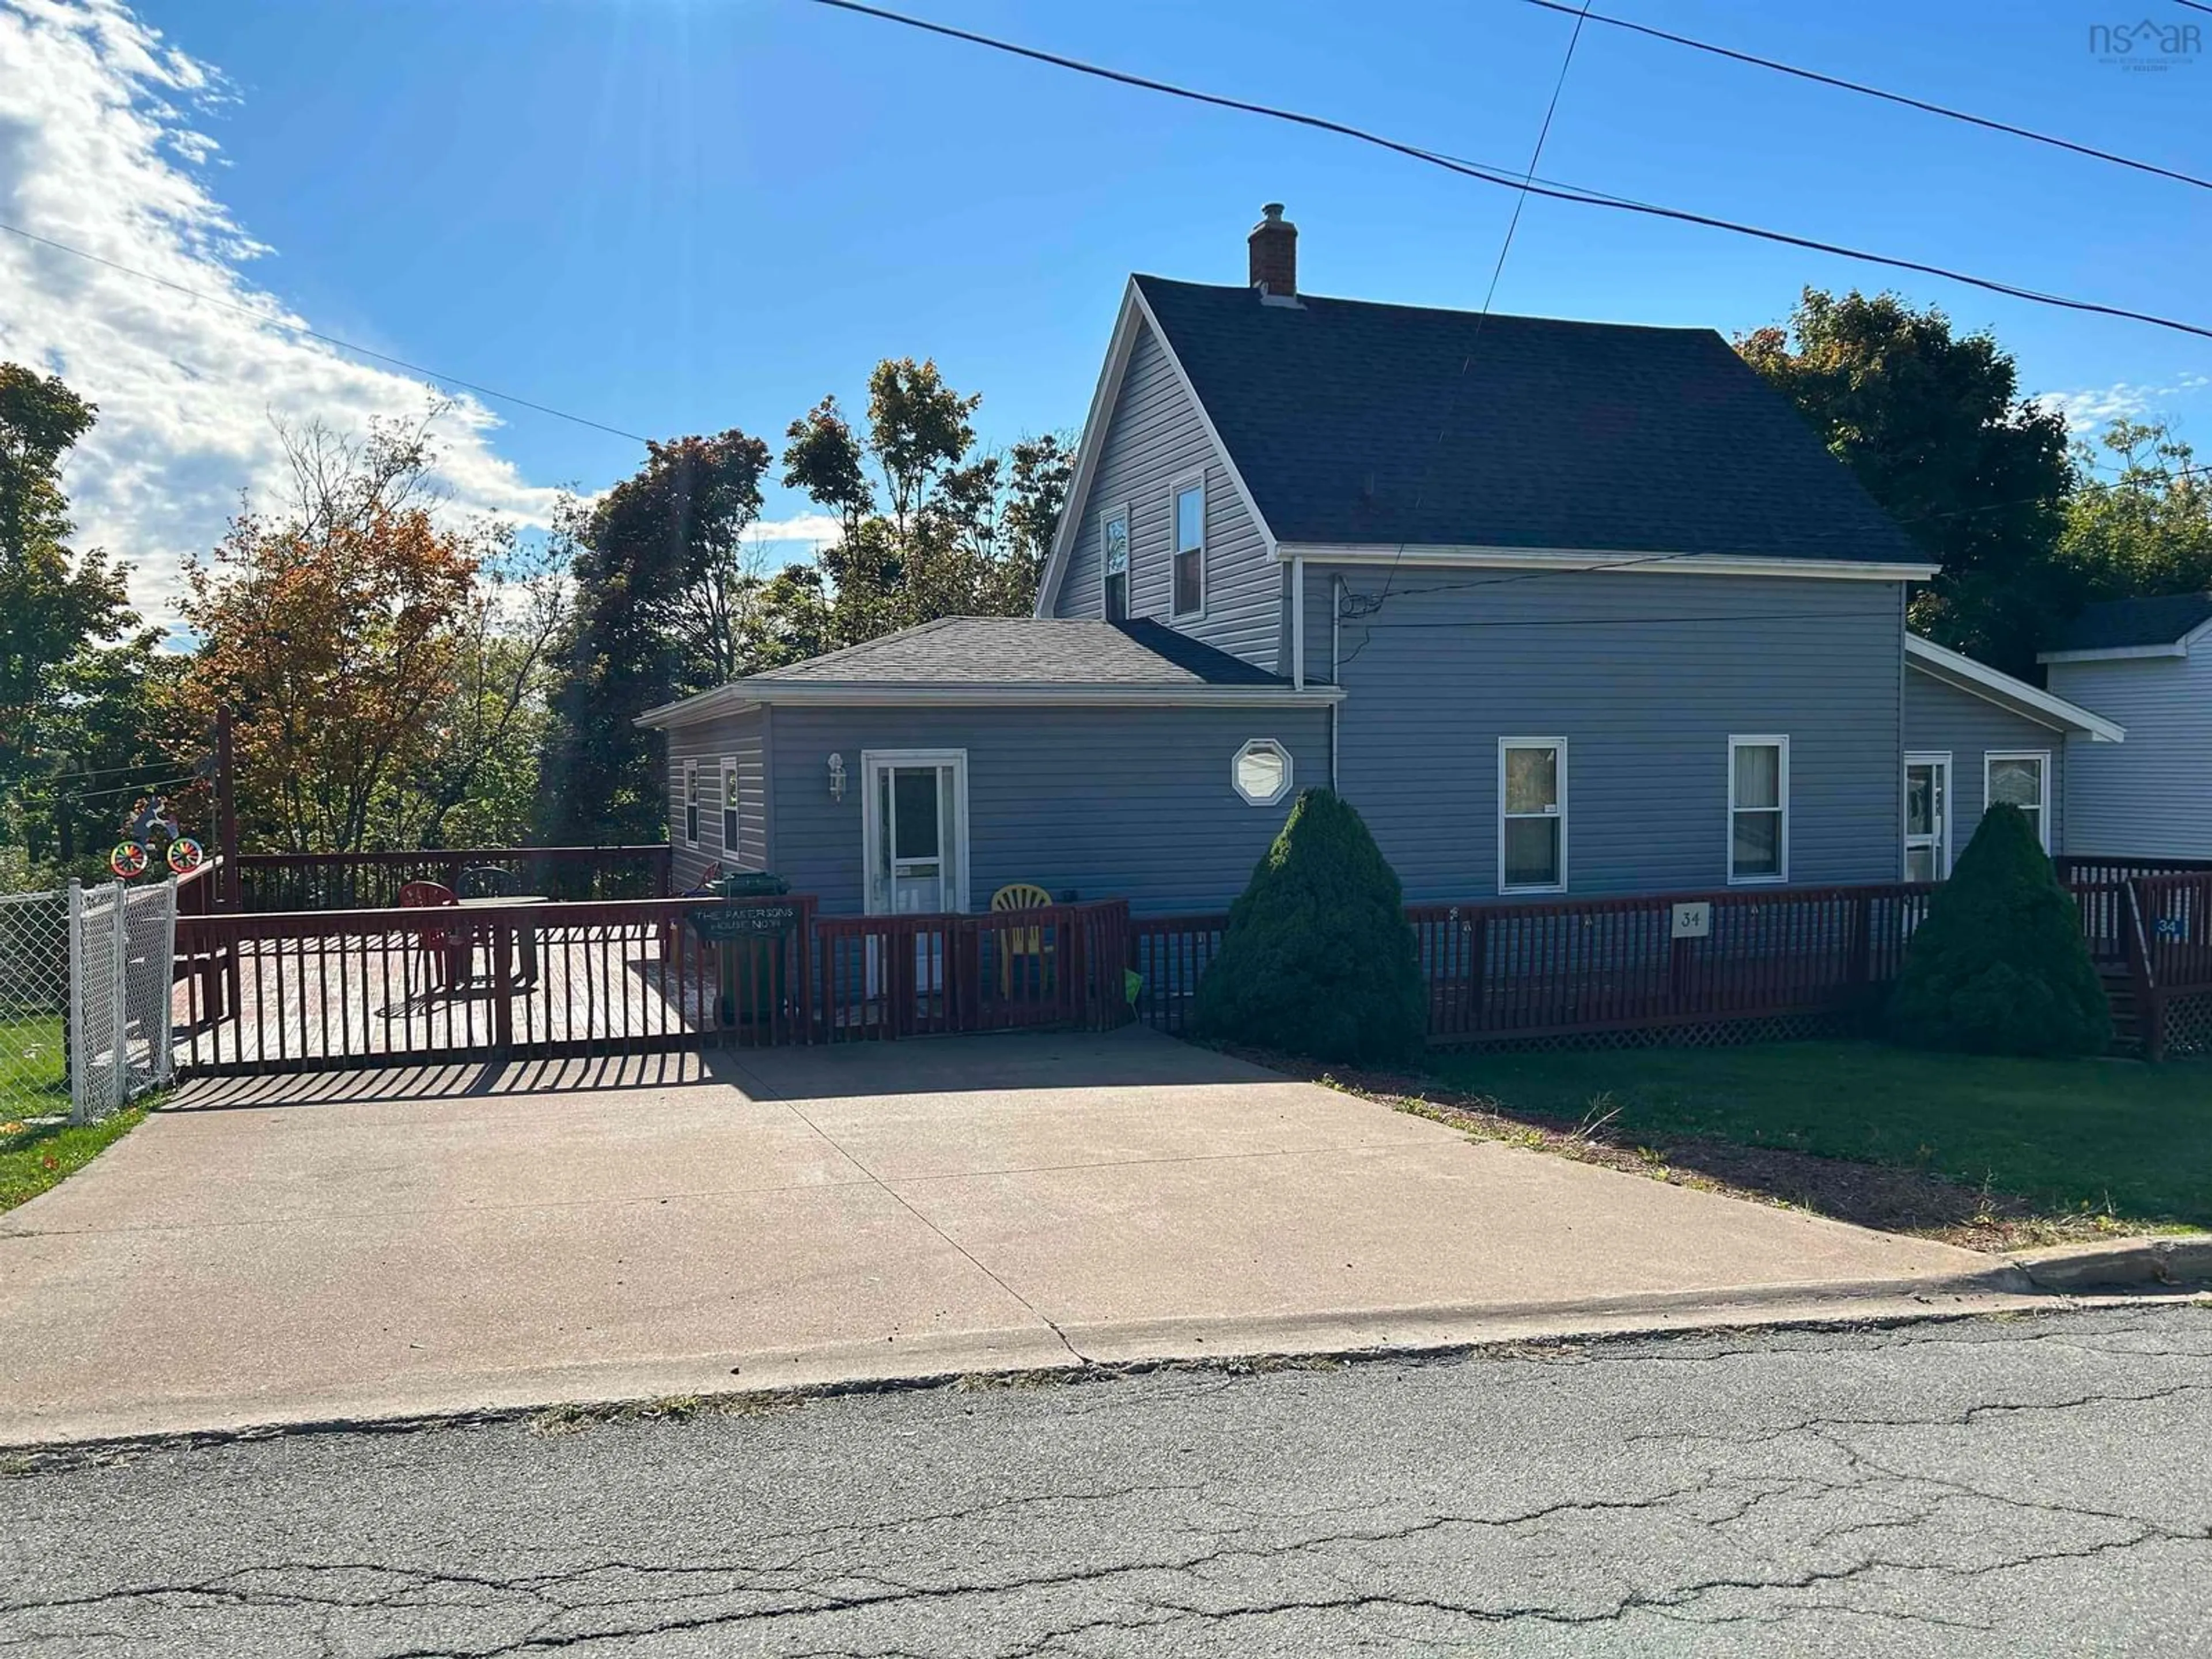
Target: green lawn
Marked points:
2067	1135
36	1155
34	1078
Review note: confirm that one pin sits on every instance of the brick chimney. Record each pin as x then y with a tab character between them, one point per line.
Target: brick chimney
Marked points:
1275	248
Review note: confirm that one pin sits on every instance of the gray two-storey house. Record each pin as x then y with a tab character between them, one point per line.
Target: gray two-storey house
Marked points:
1561	607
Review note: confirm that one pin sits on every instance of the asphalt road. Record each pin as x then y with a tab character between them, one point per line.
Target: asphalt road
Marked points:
2013	1486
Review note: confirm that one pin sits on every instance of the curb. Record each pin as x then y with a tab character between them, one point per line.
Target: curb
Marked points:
2120	1264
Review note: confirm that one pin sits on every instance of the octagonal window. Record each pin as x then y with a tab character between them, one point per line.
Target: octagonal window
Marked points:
1262	772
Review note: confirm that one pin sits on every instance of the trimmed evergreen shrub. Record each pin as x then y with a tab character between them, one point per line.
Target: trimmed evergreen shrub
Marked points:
1317	958
2000	966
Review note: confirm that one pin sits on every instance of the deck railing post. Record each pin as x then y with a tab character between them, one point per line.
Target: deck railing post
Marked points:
2142	973
503	985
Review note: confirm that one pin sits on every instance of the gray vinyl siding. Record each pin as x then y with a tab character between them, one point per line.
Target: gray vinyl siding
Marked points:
2150	797
1154	441
1646	676
1940	718
742	737
1106	803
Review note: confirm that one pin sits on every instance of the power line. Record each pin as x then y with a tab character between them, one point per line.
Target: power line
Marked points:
1554	190
1496	271
1876	92
431	374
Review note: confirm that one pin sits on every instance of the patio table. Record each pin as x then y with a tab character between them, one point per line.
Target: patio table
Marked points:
525	938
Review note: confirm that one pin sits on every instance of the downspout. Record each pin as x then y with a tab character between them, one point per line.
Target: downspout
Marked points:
1335	640
1297	624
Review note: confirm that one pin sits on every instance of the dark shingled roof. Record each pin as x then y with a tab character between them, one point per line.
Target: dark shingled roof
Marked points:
1027	651
2118	624
1559	435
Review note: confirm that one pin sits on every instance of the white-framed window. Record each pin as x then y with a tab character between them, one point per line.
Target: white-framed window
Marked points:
1114	565
2021	778
1532	814
1758	808
1260	773
732	829
690	802
1186	523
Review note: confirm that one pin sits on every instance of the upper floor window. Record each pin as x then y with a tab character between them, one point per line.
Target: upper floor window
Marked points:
1758	808
1532	814
1189	597
1114	562
691	802
2021	780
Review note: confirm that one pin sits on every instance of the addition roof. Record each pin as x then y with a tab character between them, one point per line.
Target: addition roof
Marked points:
1352	422
1010	661
2133	625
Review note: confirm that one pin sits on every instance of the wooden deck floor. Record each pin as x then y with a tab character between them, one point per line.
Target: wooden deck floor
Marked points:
340	1001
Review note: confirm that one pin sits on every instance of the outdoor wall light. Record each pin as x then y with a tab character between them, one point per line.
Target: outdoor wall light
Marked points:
837	777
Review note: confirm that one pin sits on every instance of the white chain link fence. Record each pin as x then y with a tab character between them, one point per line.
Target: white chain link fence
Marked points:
35	1004
85	997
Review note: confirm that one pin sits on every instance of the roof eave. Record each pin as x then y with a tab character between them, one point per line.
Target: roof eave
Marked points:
2017	696
2114	653
1570	558
741	696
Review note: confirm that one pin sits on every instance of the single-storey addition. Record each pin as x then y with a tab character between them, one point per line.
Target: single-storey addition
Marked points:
2147	662
1560	607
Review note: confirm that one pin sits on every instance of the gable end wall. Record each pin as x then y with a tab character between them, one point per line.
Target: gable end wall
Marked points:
1154	439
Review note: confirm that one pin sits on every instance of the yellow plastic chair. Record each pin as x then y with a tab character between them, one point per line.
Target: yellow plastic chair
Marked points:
1022	941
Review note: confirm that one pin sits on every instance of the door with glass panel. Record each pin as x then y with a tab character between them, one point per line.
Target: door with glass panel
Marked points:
1927	817
917	812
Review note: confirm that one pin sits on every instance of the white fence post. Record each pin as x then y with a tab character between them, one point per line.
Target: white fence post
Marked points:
163	1035
120	1086
80	1072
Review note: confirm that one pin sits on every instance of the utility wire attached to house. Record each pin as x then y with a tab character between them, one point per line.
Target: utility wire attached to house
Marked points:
1838	81
1555	189
1467	362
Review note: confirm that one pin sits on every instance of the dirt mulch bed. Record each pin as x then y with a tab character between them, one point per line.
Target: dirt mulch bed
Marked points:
1887	1197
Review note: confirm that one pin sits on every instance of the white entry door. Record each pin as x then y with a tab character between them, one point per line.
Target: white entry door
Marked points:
915	835
1927	817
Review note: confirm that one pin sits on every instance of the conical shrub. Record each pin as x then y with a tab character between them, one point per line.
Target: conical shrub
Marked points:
1317	958
1999	966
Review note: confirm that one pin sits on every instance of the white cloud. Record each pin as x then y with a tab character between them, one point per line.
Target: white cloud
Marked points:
811	529
2086	409
97	151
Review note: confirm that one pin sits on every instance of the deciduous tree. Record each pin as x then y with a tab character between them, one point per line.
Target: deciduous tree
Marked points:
333	630
57	605
2146	530
1932	423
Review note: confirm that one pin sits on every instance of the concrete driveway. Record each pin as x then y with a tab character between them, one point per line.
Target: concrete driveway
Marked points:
384	1244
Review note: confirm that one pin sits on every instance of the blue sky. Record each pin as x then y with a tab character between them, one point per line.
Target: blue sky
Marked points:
680	214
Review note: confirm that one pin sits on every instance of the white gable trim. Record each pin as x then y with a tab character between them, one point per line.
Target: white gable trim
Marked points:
1135	314
1455	556
2015	696
2114	653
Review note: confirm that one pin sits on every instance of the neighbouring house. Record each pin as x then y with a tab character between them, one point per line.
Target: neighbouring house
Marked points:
1561	607
2148	664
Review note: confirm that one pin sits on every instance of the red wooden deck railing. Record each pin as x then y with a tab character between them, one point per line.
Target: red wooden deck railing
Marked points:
371	881
1555	967
313	989
894	976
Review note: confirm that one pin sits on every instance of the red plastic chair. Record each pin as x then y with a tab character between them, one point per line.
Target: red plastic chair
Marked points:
441	948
